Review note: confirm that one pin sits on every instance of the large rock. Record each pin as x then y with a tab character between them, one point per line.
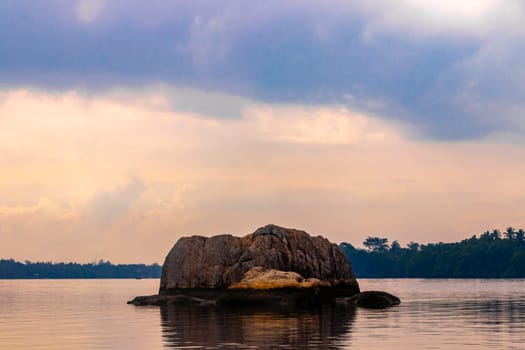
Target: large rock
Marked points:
274	266
222	261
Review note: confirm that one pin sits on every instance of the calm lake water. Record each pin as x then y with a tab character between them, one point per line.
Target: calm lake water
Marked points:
93	314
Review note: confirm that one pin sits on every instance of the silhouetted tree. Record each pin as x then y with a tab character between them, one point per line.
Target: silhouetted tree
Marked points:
395	247
510	233
376	244
413	246
520	235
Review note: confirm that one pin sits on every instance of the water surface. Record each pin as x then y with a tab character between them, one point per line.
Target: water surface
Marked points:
93	314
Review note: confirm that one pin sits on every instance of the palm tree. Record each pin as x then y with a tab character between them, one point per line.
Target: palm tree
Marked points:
510	233
520	235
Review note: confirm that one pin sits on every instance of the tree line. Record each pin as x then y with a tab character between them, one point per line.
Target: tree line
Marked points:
493	254
11	269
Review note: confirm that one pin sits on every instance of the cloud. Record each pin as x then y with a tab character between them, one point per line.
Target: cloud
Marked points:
317	125
106	206
79	225
184	99
445	68
88	10
423	19
327	169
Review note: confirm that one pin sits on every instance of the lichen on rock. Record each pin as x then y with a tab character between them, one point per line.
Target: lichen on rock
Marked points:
264	279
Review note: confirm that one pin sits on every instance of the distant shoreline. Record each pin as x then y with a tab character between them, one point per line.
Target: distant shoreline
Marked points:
491	255
77	278
11	269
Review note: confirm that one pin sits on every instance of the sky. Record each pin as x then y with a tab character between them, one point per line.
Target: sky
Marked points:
125	125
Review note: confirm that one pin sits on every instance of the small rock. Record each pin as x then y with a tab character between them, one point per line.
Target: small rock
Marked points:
179	299
371	300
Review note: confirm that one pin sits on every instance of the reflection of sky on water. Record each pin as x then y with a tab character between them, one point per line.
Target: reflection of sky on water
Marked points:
198	327
445	314
92	314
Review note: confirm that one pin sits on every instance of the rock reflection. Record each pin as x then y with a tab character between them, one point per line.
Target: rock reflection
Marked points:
194	327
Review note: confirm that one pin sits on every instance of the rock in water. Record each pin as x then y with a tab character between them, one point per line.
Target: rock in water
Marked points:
221	261
371	300
273	264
